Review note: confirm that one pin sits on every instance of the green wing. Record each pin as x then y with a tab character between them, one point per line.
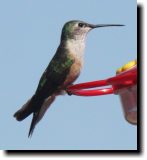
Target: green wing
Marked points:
56	72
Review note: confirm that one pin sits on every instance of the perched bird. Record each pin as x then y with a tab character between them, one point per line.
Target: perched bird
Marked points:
61	72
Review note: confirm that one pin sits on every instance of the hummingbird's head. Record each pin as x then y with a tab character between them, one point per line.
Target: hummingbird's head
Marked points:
75	30
78	29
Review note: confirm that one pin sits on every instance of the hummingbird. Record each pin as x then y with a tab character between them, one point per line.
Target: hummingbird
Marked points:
62	71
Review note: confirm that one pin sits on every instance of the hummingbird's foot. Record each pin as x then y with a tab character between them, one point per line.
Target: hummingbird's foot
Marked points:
68	92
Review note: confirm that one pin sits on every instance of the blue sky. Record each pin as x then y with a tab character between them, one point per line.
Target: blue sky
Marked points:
30	33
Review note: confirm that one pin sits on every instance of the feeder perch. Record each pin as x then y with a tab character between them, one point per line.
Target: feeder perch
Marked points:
123	84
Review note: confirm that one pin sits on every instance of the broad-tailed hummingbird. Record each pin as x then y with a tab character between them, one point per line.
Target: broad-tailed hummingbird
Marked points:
62	71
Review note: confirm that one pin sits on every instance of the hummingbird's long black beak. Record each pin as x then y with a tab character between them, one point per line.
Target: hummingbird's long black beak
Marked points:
104	25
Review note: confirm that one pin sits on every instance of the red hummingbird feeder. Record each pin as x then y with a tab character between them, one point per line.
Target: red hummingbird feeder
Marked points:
123	84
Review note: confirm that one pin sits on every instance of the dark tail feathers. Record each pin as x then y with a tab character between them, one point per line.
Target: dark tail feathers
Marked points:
37	115
25	111
35	106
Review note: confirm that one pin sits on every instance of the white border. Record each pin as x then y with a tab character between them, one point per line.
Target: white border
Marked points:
144	127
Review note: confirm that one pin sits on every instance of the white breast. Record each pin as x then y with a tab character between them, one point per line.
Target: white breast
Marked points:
76	47
76	51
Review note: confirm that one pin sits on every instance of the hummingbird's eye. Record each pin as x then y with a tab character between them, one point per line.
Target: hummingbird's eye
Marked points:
81	25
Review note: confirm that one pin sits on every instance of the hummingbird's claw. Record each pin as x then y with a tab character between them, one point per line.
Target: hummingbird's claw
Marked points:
68	92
